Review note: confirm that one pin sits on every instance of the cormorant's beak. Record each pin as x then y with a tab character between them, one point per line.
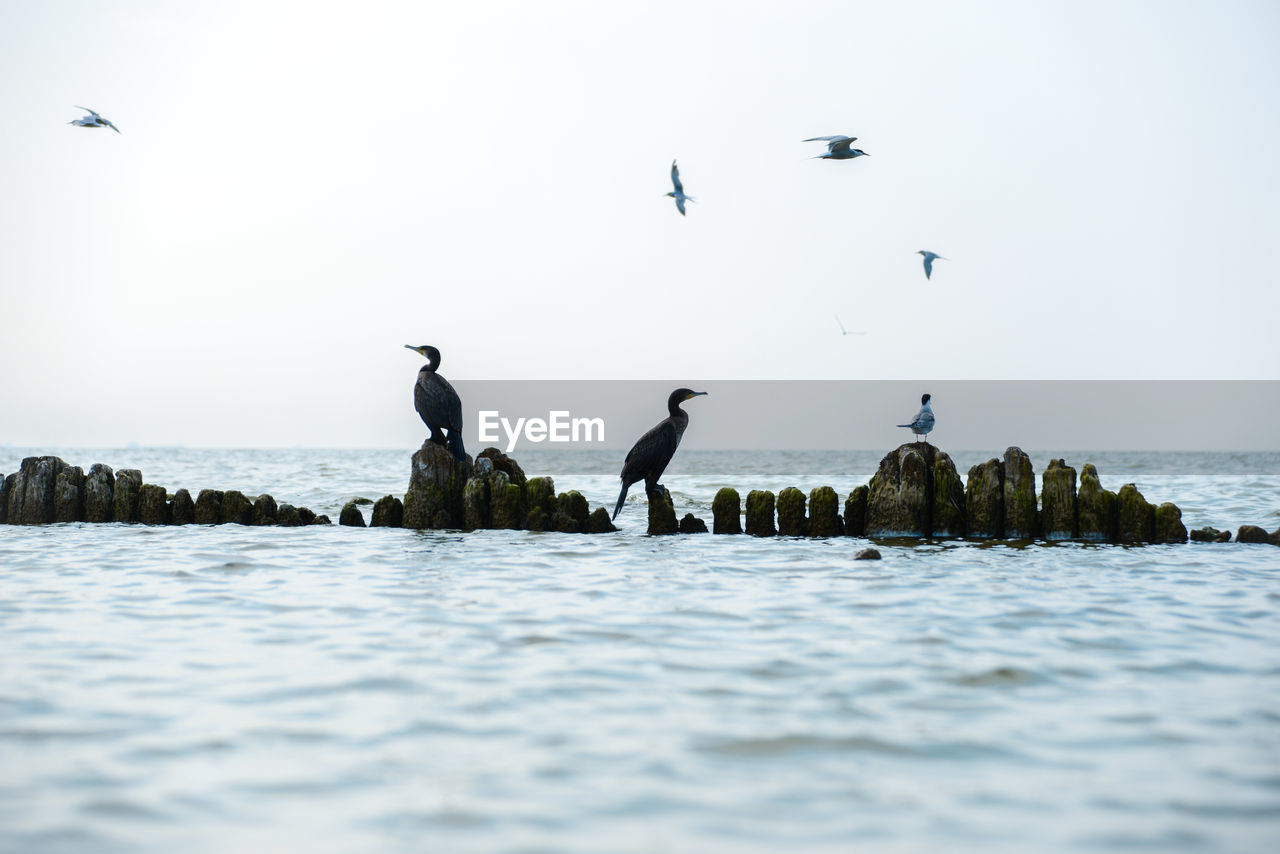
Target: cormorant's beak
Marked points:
695	394
413	348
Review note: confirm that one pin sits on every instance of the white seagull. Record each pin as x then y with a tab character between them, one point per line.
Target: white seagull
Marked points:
844	331
838	148
93	120
678	193
929	258
923	422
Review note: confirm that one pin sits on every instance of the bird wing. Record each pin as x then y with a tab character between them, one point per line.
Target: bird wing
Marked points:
842	329
107	122
928	266
651	453
437	402
675	178
87	110
842	144
835	138
680	203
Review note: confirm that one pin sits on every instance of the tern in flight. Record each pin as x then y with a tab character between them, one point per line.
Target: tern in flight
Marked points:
844	331
838	147
678	192
929	258
93	120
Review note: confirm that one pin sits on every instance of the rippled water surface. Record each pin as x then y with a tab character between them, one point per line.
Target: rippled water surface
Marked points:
351	690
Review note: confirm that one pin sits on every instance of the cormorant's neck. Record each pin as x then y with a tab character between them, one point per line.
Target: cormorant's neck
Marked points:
431	365
674	410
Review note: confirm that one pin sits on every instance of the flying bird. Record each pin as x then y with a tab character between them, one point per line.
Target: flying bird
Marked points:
923	422
678	192
648	458
838	148
929	258
437	403
93	120
844	331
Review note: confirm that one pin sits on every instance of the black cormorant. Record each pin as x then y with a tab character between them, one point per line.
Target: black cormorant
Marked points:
437	402
648	458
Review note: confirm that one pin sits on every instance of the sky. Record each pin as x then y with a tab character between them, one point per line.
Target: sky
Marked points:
299	190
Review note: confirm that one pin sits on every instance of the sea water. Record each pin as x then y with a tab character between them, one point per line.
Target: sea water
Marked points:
329	689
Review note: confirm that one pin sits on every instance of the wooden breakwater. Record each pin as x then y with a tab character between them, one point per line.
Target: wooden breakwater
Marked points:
915	493
46	490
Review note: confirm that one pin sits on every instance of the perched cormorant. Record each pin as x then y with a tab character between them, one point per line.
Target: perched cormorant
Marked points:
437	402
648	458
929	258
678	192
923	422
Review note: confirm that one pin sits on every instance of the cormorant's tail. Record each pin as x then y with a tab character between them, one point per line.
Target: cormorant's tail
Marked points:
455	445
622	496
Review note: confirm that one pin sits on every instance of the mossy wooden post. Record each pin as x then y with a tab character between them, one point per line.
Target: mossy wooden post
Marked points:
475	502
1252	534
128	485
1058	502
726	511
388	512
984	500
99	494
287	516
1168	525
1136	516
792	521
506	502
31	495
351	516
1210	535
855	512
208	507
68	495
599	522
153	505
237	509
265	510
691	524
760	513
572	512
898	497
1019	496
436	482
662	513
6	484
946	516
540	495
824	512
1096	508
182	510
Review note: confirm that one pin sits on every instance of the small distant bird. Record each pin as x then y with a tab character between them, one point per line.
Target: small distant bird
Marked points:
838	148
844	331
929	258
437	403
93	120
923	422
678	193
648	458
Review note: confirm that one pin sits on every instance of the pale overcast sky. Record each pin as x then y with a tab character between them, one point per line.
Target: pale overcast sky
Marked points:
301	189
